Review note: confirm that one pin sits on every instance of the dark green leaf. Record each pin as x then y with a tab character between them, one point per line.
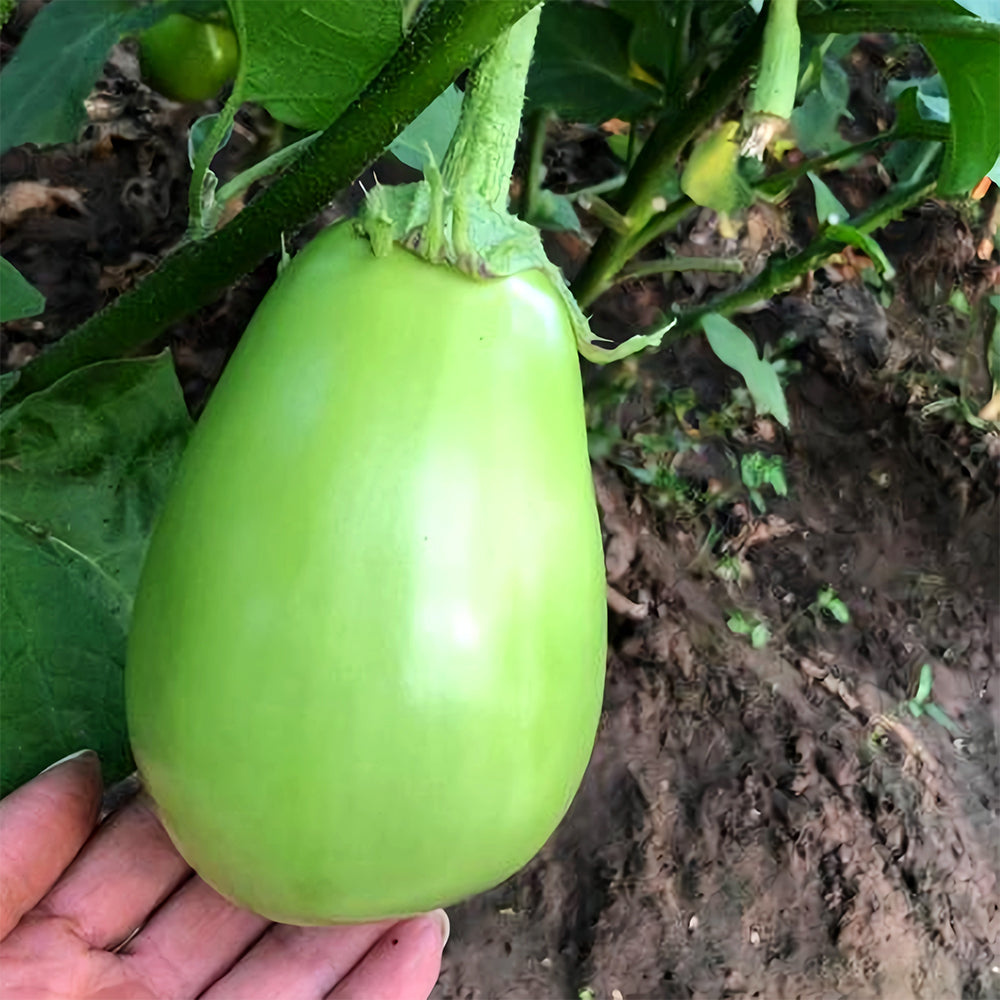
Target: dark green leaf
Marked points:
306	60
433	127
43	87
815	121
85	467
971	71
652	39
581	65
18	297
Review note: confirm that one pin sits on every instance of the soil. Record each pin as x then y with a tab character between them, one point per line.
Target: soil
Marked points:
781	821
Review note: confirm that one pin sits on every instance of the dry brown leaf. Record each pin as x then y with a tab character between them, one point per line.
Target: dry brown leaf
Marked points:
615	126
621	605
21	197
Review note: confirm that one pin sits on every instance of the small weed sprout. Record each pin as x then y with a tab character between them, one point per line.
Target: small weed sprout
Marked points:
758	470
757	630
828	601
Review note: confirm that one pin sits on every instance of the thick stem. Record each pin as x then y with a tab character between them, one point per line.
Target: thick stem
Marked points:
907	17
445	39
480	158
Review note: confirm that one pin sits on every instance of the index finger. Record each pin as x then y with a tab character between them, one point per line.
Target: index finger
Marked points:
43	825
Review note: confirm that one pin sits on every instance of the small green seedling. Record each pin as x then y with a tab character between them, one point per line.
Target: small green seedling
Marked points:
742	624
828	601
758	470
921	704
728	568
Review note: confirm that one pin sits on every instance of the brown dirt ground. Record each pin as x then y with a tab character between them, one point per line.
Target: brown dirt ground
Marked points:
754	822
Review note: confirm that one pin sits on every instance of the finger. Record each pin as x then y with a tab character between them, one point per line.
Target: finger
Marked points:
403	965
126	870
43	825
300	963
193	939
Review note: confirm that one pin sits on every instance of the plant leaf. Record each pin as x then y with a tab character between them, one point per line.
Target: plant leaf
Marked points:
735	349
971	71
711	175
53	70
433	127
581	66
864	242
828	207
306	60
554	211
85	466
18	297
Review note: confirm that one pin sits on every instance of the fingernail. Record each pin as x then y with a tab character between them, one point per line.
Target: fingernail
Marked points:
69	757
444	924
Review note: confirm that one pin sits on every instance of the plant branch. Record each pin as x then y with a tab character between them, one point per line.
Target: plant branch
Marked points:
898	17
662	150
780	275
776	183
671	264
537	128
445	39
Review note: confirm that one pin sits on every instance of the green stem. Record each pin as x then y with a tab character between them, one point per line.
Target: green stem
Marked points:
671	264
601	187
675	213
660	224
444	40
535	172
780	275
265	168
776	183
480	159
658	156
606	214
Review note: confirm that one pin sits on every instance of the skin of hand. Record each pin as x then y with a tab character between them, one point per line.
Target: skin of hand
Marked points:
112	911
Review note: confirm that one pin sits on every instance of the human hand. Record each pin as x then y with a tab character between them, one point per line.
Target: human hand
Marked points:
116	913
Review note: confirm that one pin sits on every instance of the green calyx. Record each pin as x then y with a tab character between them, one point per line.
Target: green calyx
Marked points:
457	215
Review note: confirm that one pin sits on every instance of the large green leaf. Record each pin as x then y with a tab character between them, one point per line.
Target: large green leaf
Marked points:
581	67
85	466
971	71
306	60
